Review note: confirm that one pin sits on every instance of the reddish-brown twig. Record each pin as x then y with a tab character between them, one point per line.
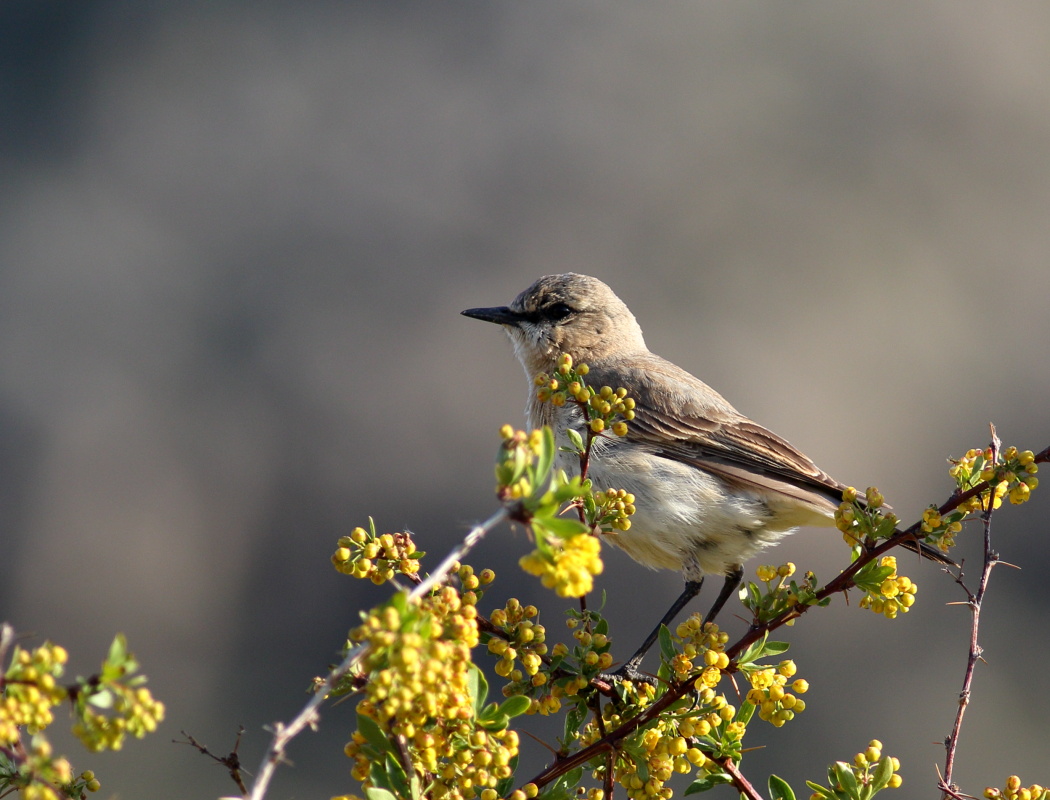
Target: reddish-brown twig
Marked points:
974	600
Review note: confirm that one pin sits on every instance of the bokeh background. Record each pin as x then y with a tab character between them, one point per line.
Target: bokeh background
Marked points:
235	240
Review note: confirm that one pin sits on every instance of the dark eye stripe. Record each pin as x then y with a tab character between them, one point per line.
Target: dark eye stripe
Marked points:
557	311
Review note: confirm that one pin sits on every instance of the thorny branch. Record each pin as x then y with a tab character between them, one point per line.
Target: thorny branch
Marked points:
678	689
232	762
974	601
308	716
284	733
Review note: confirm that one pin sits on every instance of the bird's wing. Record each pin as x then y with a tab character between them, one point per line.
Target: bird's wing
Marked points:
685	420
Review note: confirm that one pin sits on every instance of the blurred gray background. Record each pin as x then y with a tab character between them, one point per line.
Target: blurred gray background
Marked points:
235	240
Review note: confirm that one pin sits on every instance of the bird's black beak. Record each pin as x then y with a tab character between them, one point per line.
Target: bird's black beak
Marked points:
501	315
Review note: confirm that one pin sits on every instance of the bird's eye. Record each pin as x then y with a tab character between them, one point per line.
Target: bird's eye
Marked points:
558	311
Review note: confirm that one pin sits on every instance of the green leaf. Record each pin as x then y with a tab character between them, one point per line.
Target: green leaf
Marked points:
775	648
545	460
754	597
883	773
708	782
754	651
373	734
478	688
396	774
425	627
663	674
640	756
379	777
779	789
492	720
886	528
119	662
375	793
517	464
847	780
515	706
564	527
818	789
667	650
564	787
567	488
747	710
101	698
573	720
118	651
575	439
399	602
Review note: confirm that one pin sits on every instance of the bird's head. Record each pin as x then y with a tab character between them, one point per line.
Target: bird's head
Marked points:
568	313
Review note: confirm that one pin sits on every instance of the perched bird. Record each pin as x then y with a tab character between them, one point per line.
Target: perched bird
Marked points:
712	487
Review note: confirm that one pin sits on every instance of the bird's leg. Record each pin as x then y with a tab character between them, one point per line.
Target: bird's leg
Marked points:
733	579
629	670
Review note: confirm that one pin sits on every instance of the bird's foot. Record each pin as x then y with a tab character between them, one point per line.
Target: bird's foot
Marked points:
628	672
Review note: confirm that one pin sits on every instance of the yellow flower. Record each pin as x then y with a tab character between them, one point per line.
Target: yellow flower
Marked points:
571	569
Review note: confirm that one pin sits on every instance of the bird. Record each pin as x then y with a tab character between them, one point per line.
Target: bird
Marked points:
712	488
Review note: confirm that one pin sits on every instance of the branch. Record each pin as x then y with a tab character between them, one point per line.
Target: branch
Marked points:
739	781
232	762
308	716
7	638
974	601
676	690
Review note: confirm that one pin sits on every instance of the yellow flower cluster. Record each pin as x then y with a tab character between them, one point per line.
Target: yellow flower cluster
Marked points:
941	530
594	651
133	711
565	674
31	690
714	715
602	406
704	642
362	554
781	593
870	772
614	508
872	755
470	582
570	566
606	404
895	595
768	694
419	667
90	782
1013	475
858	521
520	640
1015	791
767	573
650	757
845	521
42	776
418	662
